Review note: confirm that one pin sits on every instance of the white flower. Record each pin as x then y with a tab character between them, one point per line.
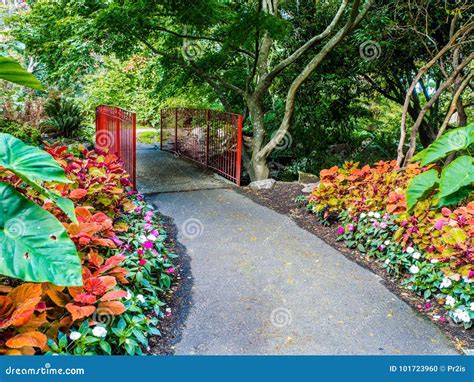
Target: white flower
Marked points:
446	283
377	215
387	242
371	214
450	301
416	255
363	215
129	295
410	250
141	298
414	269
462	315
434	261
387	261
142	238
99	331
472	306
467	279
151	237
74	336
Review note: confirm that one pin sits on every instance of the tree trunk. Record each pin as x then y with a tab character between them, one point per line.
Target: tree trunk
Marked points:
258	169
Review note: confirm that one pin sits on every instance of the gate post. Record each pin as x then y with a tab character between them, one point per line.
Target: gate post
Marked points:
239	150
117	131
176	131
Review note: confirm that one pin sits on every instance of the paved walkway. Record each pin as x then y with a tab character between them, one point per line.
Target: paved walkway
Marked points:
263	285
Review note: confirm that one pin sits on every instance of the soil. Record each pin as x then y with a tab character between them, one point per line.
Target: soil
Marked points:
281	198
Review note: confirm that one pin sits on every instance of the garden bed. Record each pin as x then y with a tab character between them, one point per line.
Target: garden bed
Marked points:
282	198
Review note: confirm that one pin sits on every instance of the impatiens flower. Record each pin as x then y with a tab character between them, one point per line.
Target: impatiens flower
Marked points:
414	269
416	255
141	262
434	261
148	244
376	224
386	217
467	280
142	238
148	219
462	315
377	215
149	213
450	301
383	225
141	298
471	274
147	226
410	250
350	227
381	247
151	237
129	295
387	261
138	210
170	270
362	215
427	305
340	230
140	252
155	233
440	223
472	306
446	283
154	251
371	214
387	242
74	336
99	331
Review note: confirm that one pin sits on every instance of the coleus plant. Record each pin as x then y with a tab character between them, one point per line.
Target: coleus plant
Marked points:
452	183
34	245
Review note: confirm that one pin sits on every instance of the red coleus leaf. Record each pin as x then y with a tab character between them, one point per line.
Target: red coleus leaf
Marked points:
85	298
109	308
78	312
77	194
113	295
95	286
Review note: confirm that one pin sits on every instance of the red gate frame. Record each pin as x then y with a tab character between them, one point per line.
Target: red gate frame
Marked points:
221	150
116	130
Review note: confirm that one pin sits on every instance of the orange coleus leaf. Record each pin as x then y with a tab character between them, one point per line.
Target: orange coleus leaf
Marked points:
85	298
59	298
109	281
34	323
83	214
110	308
78	312
104	242
95	286
95	259
73	291
26	350
32	339
78	193
25	292
110	263
5	289
113	295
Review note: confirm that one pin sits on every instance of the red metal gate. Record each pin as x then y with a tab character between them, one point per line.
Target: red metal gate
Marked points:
209	137
116	131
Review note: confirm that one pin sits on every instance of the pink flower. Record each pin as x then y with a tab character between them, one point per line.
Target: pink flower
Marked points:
470	274
350	227
381	247
148	244
442	319
148	219
138	210
155	233
147	226
440	223
149	213
170	270
155	252
116	240
427	305
140	252
142	262
383	225
376	224
386	217
340	230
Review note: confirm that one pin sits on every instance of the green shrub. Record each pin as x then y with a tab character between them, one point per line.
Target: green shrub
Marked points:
149	137
26	133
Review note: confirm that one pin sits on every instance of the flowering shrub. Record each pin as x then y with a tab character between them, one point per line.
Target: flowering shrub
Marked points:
125	269
432	250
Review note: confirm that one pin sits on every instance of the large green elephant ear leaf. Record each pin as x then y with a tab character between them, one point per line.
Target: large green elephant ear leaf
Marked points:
28	162
420	186
456	175
34	245
10	70
454	140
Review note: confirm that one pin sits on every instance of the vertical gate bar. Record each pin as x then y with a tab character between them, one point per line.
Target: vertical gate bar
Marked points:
97	124
134	150
161	130
239	149
118	149
208	112
176	131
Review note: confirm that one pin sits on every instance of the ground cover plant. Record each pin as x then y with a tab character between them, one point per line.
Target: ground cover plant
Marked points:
429	246
124	265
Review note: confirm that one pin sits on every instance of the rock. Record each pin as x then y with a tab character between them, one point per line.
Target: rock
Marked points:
309	187
265	184
305	177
